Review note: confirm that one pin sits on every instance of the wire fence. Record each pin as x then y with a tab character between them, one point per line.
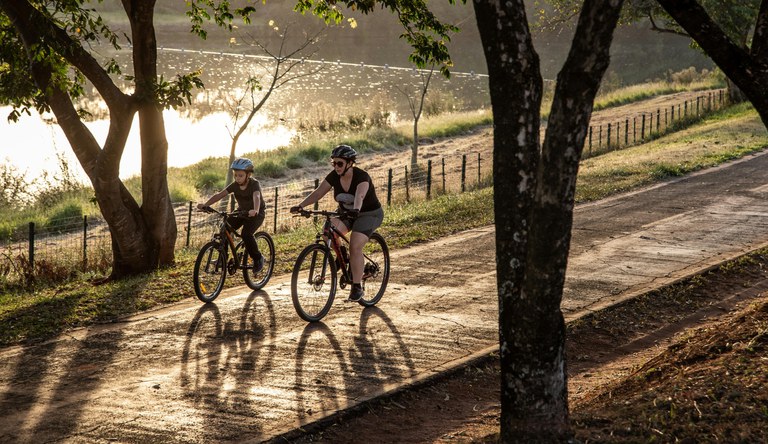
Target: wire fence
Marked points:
66	246
641	127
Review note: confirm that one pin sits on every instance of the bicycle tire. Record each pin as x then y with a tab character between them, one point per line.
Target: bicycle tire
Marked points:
256	280
313	282
210	271
376	270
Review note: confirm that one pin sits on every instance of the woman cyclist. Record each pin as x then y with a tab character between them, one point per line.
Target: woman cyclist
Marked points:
247	191
354	191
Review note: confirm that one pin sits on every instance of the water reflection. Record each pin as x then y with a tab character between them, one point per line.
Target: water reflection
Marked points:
31	144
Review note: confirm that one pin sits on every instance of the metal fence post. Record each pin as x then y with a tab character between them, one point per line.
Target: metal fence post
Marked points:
407	187
634	129
429	179
626	132
642	128
443	172
189	223
658	120
590	141
608	141
85	242
32	247
389	187
600	138
478	170
463	172
275	223
317	204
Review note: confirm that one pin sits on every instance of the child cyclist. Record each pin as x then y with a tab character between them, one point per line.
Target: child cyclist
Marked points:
247	191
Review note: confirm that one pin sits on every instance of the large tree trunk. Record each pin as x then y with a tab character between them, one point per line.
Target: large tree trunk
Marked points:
156	202
136	247
747	69
516	89
534	199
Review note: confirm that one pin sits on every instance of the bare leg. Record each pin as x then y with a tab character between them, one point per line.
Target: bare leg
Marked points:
356	243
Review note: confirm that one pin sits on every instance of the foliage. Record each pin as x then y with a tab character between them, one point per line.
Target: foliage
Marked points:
735	18
423	31
14	188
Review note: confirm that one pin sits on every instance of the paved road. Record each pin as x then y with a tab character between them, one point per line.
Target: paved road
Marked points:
247	369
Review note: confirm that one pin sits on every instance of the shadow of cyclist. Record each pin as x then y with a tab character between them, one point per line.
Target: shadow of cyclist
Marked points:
324	387
222	359
379	355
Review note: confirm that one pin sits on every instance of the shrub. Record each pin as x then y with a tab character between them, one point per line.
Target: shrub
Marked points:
210	180
268	168
182	191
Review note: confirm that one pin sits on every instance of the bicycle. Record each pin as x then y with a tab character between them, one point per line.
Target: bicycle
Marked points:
313	281
213	264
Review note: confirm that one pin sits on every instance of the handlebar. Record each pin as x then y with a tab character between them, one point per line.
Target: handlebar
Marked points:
238	213
308	213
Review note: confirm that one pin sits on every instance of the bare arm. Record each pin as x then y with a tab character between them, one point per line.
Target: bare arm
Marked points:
360	192
256	204
316	195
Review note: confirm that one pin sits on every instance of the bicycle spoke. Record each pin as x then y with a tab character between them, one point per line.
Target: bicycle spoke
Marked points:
313	283
209	272
376	269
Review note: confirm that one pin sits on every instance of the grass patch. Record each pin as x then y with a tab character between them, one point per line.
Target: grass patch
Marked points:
636	93
727	135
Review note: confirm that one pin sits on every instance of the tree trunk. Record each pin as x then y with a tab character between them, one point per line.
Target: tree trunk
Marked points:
533	201
156	205
139	243
516	89
747	69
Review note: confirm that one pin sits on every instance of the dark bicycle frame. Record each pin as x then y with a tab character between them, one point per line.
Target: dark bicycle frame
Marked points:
226	231
333	238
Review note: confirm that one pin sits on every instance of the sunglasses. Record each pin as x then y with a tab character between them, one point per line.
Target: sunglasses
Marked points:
338	163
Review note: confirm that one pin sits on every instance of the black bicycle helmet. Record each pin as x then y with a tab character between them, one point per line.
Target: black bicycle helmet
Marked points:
344	152
242	164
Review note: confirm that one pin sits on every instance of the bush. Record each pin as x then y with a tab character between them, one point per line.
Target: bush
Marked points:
182	192
268	168
209	181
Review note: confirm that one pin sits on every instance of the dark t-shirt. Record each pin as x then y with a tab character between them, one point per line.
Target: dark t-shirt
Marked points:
346	199
244	197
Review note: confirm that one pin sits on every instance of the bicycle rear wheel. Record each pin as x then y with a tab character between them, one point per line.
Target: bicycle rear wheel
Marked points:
257	279
313	283
376	269
210	271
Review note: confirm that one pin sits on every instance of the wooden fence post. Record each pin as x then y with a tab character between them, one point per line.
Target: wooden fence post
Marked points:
32	247
85	242
275	220
189	222
429	179
463	172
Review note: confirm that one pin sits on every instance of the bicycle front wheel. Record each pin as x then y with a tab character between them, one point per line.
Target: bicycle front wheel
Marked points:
376	269
255	278
313	283
210	271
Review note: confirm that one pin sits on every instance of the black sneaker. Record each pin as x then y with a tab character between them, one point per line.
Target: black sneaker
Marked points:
356	293
259	264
